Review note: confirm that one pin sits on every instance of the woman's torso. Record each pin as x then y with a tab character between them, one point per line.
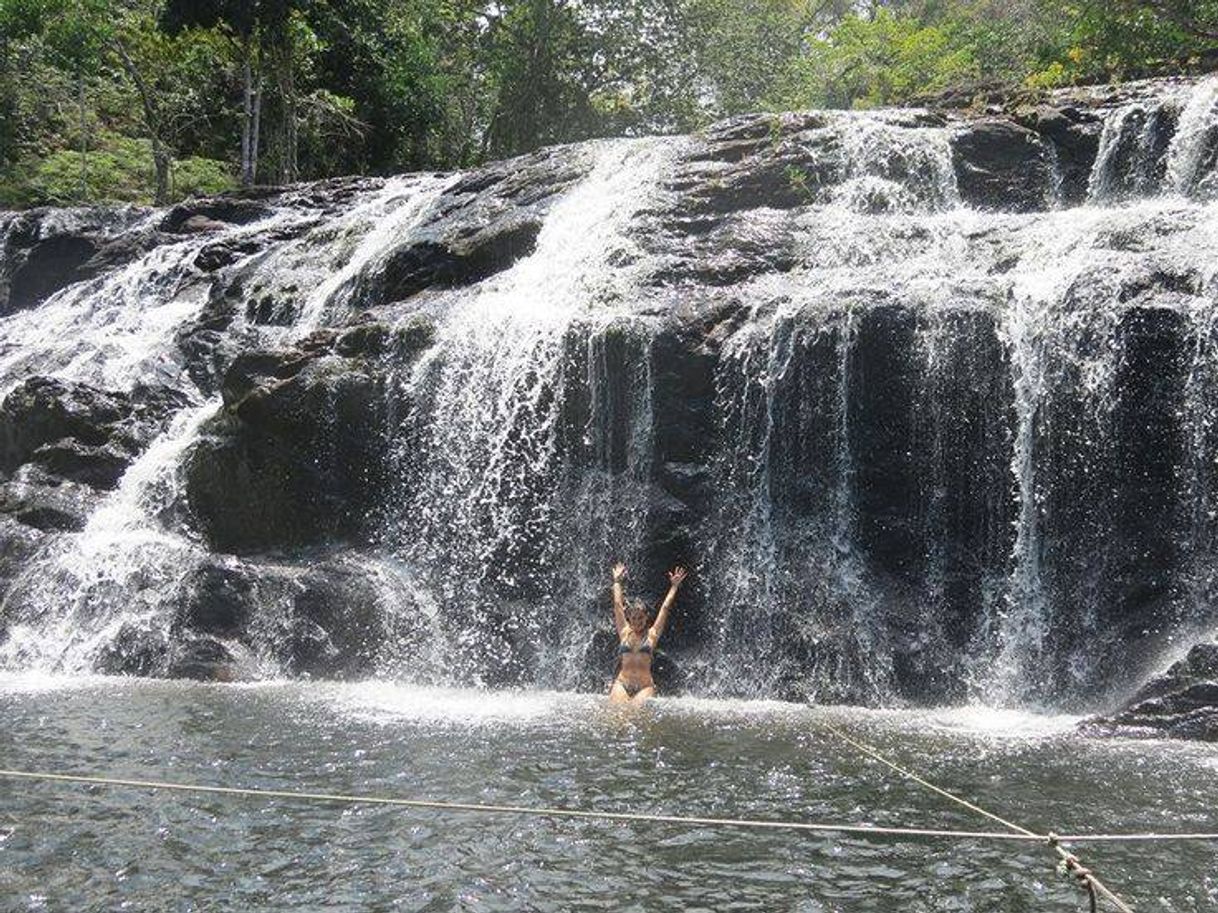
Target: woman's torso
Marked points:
634	659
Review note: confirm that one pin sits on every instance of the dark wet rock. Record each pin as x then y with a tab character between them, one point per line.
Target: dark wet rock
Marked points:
78	432
459	259
296	456
207	344
45	250
762	160
135	650
96	465
219	599
250	491
213	212
19	541
735	249
1002	166
337	623
204	659
1074	132
1137	160
367	337
47	502
480	226
788	161
1180	703
226	252
42	411
319	615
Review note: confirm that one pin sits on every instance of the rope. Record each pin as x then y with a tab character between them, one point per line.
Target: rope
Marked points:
534	811
868	750
1071	863
546	812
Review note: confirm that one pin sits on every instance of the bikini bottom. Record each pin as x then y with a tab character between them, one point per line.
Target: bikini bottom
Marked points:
632	688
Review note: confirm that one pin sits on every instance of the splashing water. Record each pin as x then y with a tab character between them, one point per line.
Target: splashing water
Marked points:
1195	138
482	497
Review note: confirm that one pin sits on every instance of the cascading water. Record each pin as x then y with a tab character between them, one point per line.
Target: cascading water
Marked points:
100	596
490	453
922	429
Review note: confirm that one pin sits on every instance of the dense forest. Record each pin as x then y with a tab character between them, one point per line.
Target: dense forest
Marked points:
141	100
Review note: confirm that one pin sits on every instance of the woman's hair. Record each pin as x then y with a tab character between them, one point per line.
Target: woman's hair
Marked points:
636	608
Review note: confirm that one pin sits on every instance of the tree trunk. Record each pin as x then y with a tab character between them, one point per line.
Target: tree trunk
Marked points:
161	159
247	115
291	132
255	127
84	137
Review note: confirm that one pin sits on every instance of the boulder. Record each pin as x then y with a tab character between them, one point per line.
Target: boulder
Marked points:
337	623
19	542
45	250
210	213
203	659
75	431
480	226
295	458
218	598
45	501
1180	703
794	160
1002	166
1074	133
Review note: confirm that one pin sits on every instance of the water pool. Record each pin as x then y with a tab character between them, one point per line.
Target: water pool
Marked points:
78	848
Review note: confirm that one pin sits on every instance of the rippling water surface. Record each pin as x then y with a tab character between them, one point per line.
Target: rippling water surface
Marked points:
76	848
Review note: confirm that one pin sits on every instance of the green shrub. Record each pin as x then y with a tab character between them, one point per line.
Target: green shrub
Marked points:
197	176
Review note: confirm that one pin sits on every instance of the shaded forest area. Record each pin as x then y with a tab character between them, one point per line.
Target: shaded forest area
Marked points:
142	100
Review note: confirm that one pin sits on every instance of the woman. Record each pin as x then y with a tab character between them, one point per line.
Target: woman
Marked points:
636	642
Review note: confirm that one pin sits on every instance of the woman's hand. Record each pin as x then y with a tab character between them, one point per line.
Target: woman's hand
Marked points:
619	571
676	575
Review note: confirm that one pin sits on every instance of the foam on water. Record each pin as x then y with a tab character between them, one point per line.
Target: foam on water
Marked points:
391	703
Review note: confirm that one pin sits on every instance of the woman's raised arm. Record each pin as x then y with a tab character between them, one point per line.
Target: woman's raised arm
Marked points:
675	577
619	598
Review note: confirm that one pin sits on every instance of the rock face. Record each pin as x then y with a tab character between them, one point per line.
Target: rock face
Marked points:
923	430
1002	166
62	444
482	224
1181	703
43	251
78	432
298	455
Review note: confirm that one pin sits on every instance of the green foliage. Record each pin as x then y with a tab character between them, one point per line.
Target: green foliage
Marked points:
118	169
884	60
92	92
196	176
748	51
1120	39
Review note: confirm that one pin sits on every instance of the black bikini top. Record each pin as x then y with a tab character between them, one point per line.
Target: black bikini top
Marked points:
644	646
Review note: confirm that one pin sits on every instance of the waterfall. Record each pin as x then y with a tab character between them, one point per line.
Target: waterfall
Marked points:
105	594
1195	141
922	429
103	589
491	442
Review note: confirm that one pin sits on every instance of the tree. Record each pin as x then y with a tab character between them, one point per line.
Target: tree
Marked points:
75	33
257	29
